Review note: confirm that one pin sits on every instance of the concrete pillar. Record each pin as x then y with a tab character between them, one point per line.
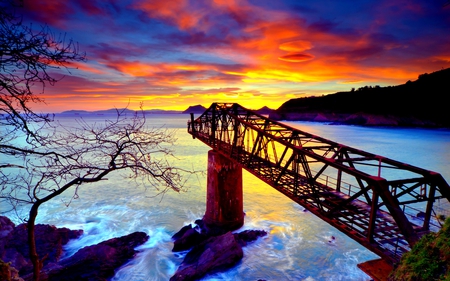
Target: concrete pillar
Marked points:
224	198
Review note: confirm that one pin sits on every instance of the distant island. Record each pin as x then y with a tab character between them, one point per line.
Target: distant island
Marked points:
196	109
113	111
199	109
420	103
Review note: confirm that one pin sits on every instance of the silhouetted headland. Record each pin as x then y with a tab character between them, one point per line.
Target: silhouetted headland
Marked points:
420	103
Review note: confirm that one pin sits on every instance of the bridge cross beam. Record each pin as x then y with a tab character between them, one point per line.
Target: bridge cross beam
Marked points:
381	189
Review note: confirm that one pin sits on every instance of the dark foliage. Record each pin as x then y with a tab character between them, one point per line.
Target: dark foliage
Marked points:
424	99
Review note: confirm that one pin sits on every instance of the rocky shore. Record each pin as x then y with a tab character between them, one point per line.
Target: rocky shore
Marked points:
359	118
96	262
210	250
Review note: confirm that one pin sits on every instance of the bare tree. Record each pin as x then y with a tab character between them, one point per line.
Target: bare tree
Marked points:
39	160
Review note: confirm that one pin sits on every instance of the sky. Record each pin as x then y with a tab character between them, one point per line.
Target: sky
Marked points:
171	54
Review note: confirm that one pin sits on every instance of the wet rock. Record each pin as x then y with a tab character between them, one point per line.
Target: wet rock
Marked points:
210	230
6	227
213	249
6	230
49	242
215	254
247	236
190	238
96	262
181	232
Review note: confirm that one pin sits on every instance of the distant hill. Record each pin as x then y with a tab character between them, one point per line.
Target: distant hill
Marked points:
113	111
420	103
97	112
161	111
75	112
265	110
199	109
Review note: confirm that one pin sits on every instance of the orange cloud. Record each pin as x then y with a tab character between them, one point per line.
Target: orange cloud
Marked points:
296	57
178	12
245	51
296	46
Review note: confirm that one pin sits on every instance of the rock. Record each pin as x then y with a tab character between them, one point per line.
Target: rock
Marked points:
181	232
210	230
213	249
216	253
49	243
190	238
96	262
6	227
247	236
366	119
6	230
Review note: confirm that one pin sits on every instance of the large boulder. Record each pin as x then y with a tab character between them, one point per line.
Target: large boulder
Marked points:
213	249
215	254
244	237
49	242
6	228
187	238
96	262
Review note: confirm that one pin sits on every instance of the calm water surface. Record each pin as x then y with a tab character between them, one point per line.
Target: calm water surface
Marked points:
297	246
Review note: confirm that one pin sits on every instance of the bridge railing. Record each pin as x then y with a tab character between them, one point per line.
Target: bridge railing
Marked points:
367	196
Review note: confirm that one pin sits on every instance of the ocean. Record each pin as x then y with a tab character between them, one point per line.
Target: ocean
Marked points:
298	245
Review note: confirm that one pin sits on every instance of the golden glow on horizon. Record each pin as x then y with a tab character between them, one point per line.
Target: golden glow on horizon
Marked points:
350	82
280	75
274	86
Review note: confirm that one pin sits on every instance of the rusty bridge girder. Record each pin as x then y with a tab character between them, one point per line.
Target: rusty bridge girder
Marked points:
373	199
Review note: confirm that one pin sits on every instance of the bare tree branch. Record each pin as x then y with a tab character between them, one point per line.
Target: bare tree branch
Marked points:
39	158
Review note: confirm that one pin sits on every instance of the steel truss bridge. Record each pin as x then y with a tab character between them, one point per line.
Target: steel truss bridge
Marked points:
383	204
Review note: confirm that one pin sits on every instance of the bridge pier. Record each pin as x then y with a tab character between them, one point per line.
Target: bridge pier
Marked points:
224	197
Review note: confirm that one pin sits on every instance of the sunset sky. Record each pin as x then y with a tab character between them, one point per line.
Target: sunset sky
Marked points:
170	54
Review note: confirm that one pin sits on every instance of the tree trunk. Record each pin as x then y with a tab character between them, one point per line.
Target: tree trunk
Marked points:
32	241
38	264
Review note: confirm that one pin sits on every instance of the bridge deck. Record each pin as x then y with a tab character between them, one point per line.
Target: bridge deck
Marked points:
388	241
371	214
